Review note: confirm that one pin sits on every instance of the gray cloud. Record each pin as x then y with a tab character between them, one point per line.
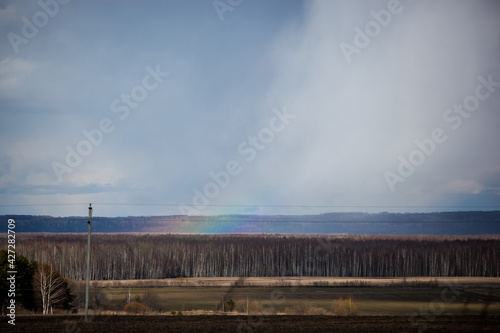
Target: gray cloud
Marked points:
353	120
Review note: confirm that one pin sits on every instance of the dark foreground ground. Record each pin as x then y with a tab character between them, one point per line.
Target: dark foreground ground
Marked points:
288	324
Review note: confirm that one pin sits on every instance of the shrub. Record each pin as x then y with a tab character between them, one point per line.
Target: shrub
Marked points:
305	308
316	311
229	305
321	284
302	308
241	307
136	307
254	307
344	307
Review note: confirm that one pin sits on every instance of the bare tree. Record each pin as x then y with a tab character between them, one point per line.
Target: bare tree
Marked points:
139	256
49	287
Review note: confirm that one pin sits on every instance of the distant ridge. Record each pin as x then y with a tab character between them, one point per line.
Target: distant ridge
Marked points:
443	223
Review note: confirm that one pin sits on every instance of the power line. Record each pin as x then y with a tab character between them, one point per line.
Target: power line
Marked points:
41	204
337	222
252	205
154	221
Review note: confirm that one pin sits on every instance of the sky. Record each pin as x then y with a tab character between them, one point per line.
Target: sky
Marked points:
248	107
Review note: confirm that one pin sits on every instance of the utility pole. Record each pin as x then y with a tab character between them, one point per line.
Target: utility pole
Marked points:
88	265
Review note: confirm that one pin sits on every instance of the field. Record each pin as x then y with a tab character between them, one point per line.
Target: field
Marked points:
369	300
269	304
302	281
275	324
392	296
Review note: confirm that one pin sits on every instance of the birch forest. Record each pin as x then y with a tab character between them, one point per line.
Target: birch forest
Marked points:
157	256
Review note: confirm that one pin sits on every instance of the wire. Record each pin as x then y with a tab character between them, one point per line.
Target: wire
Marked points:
250	206
44	204
240	222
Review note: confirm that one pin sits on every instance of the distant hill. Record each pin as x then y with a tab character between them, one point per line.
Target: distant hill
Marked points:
444	223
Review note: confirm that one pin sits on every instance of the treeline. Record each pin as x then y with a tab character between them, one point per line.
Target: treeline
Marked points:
444	223
156	256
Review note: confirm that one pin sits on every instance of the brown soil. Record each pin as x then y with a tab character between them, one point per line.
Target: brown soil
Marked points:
288	324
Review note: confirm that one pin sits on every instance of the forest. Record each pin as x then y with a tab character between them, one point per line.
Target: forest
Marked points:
156	256
438	223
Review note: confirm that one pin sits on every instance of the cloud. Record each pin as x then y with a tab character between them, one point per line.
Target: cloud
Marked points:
354	120
459	186
15	74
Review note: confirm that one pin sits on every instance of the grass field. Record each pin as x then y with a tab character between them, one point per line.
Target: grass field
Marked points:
384	305
375	297
462	281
